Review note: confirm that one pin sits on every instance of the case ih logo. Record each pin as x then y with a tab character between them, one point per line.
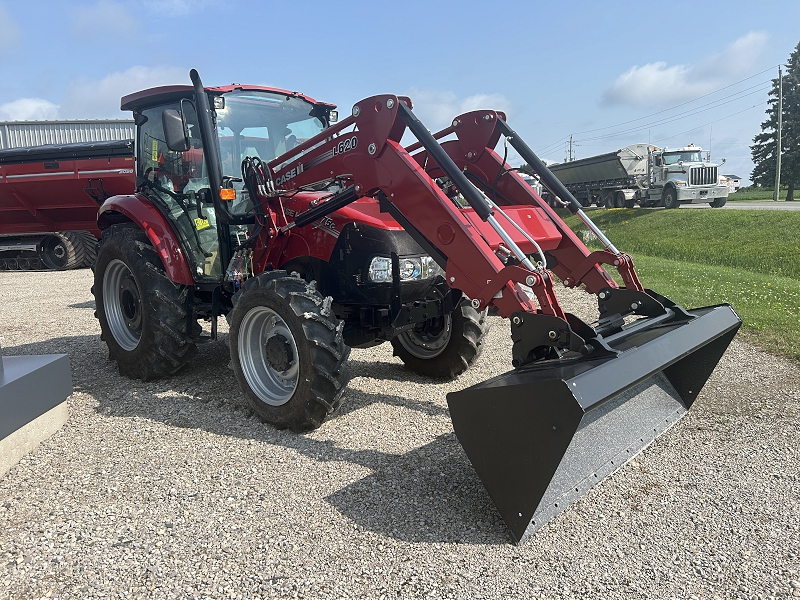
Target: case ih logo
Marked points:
290	174
340	148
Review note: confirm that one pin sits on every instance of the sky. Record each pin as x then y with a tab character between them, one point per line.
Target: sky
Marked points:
607	73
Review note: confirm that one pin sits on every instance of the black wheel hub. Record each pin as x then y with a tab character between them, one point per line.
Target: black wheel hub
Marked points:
130	303
279	353
54	252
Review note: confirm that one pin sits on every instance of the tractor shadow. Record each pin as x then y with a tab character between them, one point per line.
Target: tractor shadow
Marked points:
392	371
87	304
430	494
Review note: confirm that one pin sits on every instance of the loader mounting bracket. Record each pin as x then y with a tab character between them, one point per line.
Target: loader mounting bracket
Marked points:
621	301
534	335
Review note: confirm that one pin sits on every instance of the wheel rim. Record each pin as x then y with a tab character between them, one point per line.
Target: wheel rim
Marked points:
430	342
268	356
123	306
54	252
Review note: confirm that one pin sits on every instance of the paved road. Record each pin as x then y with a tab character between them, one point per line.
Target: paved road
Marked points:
762	205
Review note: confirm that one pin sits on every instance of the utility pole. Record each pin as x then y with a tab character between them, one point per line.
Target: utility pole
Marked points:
778	147
571	157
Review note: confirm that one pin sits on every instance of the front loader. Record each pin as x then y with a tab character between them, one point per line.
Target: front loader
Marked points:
313	236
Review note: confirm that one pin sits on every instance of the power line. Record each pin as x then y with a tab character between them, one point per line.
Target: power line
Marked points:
711	123
557	143
678	117
685	103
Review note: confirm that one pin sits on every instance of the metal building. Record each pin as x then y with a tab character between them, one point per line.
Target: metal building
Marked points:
24	134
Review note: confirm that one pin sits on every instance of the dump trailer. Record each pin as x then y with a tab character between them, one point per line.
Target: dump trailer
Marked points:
313	235
645	175
49	198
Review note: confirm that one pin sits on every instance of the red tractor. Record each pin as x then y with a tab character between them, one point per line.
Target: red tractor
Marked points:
312	236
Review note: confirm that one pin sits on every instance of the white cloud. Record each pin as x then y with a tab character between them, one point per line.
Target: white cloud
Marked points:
108	16
657	84
436	109
11	32
86	99
28	109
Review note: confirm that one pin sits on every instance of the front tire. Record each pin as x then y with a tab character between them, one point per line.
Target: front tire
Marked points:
143	314
671	198
287	351
719	203
443	348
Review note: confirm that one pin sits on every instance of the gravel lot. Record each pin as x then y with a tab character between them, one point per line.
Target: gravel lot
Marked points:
172	489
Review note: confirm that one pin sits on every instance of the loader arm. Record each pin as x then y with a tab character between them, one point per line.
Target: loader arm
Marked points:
478	133
582	400
366	148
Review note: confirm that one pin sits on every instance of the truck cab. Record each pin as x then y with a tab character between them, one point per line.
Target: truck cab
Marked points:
681	176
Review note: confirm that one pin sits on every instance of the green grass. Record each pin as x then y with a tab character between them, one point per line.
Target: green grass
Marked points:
750	195
750	259
760	241
769	305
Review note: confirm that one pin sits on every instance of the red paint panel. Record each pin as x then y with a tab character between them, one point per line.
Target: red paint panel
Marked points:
532	219
35	198
139	210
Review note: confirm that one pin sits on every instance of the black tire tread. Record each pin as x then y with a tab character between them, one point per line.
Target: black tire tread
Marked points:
671	193
463	349
165	346
323	335
89	246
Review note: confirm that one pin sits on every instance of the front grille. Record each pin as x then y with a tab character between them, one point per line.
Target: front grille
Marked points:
703	176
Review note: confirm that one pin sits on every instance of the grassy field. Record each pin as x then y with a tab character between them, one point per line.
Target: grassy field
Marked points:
750	259
750	194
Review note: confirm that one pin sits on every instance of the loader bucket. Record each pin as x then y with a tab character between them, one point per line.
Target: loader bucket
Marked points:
540	436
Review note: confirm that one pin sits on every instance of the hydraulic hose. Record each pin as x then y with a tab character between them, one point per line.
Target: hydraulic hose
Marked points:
552	183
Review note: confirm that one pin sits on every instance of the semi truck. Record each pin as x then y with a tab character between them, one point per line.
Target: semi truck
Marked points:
643	174
49	197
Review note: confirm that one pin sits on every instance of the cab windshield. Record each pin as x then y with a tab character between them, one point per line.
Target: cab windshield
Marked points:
263	125
673	158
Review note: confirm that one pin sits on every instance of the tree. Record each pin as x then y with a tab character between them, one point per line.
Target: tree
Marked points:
763	148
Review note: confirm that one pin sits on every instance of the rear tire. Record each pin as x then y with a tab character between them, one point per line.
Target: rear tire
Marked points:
445	347
619	200
65	250
143	314
89	243
671	198
287	351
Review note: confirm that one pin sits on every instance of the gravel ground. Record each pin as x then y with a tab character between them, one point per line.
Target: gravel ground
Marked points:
172	489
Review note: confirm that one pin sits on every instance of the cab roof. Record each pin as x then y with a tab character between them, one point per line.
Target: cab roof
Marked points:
172	93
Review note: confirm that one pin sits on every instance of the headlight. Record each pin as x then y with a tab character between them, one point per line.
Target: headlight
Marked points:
380	269
412	268
430	268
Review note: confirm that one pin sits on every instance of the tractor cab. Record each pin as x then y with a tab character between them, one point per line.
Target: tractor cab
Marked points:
183	171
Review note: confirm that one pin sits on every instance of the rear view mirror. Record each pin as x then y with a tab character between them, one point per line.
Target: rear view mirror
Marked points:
175	130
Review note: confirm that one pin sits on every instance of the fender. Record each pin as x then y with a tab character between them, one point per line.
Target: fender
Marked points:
139	210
